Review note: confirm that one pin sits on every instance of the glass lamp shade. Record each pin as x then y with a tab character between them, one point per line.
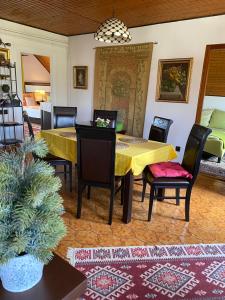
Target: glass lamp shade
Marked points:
113	31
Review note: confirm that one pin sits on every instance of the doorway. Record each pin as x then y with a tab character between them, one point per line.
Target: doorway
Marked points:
211	110
36	86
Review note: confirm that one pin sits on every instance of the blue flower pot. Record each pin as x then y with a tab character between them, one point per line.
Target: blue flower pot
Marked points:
21	273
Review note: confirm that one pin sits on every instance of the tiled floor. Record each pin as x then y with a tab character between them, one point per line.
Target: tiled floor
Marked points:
206	225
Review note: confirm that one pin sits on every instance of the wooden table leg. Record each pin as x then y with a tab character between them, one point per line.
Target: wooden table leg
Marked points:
127	197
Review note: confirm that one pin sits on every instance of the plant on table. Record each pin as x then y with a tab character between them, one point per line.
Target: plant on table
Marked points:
102	122
30	205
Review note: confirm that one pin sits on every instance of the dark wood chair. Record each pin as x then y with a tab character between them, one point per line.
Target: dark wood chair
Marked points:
158	132
160	129
95	161
27	121
64	116
106	114
191	163
51	159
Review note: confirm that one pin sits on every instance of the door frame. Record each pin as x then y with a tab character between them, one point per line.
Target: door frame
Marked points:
204	78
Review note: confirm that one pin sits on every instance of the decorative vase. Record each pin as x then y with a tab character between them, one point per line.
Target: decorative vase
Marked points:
21	273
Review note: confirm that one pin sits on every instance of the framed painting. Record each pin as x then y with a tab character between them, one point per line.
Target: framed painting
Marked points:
174	80
4	56
80	77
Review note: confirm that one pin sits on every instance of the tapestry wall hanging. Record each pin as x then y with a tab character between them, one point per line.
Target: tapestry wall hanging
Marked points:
121	83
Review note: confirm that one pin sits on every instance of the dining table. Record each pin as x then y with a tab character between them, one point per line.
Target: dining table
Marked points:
133	154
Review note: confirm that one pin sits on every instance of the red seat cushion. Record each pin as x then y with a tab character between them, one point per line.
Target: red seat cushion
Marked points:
169	169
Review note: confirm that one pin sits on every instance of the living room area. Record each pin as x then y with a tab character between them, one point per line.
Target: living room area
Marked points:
170	66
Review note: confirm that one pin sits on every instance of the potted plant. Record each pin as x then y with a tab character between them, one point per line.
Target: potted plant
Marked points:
102	122
30	215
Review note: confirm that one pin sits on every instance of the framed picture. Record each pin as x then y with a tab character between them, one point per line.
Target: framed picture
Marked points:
80	77
4	55
174	80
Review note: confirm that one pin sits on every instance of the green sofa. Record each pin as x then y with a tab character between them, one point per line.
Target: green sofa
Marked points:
214	119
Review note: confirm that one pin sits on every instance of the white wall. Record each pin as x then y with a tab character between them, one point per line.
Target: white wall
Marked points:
214	102
175	40
25	39
33	70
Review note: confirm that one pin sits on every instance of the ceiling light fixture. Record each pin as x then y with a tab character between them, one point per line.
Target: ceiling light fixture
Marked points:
113	31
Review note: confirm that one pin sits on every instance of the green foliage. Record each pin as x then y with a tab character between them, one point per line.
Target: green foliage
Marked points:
30	205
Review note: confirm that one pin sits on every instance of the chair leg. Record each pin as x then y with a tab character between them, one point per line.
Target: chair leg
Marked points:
151	200
111	205
79	200
187	204
65	172
160	194
177	196
144	189
89	192
70	176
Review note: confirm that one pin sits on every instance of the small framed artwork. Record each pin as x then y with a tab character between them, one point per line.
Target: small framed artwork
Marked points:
4	56
174	80
80	77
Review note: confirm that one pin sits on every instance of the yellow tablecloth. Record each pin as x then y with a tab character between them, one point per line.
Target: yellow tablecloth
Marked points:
134	158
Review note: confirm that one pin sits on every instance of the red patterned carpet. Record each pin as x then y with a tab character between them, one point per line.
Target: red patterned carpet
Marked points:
153	272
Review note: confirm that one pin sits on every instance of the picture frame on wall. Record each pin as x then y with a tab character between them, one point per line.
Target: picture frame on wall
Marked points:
4	56
173	81
80	77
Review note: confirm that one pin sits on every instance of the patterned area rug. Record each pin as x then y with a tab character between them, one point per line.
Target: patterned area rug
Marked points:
212	167
152	272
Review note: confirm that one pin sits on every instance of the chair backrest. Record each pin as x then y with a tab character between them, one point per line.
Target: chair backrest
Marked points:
28	123
95	155
160	129
64	116
106	114
194	148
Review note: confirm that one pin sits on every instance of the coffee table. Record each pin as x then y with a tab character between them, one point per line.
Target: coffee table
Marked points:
60	281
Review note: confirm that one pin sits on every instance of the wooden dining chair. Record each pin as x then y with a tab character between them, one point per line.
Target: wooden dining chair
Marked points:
158	132
160	129
106	114
95	161
52	159
64	116
27	122
191	162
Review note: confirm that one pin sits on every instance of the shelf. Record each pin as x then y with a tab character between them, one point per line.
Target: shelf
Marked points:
2	76
9	105
8	66
5	112
11	109
10	142
5	66
8	124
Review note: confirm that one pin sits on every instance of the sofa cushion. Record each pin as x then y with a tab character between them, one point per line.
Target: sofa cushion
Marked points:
206	116
119	126
217	119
